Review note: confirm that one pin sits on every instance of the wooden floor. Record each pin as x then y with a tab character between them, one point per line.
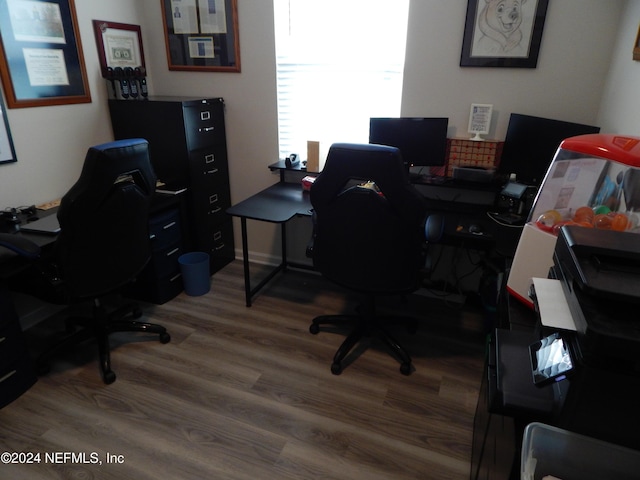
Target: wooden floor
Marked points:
247	393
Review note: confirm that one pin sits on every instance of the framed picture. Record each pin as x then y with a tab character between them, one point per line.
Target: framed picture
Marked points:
480	119
119	45
41	61
495	36
7	152
636	47
202	35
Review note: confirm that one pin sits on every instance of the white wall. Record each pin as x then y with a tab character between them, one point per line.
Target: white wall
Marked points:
569	82
620	106
51	142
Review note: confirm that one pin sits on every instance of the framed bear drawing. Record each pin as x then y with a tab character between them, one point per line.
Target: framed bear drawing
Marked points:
503	33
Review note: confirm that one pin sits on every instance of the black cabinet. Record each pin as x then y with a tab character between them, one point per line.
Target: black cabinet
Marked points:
160	281
187	143
17	371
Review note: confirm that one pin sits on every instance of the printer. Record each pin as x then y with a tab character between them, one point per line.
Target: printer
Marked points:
599	271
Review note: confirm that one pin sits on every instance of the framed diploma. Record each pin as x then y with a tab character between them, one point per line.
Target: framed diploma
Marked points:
119	45
7	152
41	60
202	35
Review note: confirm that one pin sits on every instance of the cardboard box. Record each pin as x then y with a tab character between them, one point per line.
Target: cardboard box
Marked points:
533	258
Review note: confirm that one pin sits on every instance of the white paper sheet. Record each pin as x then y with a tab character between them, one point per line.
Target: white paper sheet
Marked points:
554	310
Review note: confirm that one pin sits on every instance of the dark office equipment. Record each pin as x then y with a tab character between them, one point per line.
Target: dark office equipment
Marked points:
102	246
187	144
422	141
369	225
48	225
531	143
161	280
17	371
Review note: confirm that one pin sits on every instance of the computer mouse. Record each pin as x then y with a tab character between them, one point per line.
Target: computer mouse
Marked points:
475	229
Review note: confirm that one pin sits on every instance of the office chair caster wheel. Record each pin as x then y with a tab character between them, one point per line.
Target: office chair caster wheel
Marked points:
109	377
165	338
405	368
336	368
314	329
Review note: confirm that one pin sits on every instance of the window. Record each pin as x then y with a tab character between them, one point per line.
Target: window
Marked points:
339	62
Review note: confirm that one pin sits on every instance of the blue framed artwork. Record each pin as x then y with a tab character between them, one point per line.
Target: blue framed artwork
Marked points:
41	60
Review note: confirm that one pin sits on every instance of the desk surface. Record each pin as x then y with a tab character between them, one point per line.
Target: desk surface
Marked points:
10	262
278	204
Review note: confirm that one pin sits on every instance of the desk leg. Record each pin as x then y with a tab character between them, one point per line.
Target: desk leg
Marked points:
283	229
245	259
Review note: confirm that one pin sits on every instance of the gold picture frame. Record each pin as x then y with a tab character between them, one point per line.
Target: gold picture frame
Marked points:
202	35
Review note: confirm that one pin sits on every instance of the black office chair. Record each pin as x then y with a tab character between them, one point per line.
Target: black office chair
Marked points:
369	237
103	244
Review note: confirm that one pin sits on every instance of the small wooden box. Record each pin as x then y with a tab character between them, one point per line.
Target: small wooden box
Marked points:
463	152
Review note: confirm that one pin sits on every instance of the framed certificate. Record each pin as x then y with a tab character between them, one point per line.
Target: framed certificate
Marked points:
41	61
202	35
7	152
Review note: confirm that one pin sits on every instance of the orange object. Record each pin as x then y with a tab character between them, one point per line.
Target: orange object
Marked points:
602	221
619	222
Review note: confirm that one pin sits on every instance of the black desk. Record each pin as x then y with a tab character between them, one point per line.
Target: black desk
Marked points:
462	204
277	204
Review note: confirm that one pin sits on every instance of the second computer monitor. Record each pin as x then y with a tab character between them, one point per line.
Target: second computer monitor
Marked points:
422	141
531	143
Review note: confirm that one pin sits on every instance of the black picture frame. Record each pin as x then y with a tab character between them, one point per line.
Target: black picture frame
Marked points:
7	151
41	59
489	42
202	35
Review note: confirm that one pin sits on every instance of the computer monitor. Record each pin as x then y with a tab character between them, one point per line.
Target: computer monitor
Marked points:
422	141
531	143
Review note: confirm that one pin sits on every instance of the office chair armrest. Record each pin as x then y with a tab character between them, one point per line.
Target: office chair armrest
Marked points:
20	245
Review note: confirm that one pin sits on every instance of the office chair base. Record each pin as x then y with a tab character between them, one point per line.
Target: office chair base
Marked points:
99	327
365	327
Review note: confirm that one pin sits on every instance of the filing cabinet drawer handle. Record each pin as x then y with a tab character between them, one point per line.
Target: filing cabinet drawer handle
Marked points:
12	372
175	277
3	339
210	172
217	236
219	247
214	211
206	115
169	225
213	198
209	158
173	252
206	129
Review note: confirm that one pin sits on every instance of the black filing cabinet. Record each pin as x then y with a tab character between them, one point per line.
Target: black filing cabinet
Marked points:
187	143
17	371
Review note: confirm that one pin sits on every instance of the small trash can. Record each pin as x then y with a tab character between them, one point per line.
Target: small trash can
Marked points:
194	267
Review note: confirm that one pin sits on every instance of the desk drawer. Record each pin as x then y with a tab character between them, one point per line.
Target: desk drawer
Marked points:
165	261
17	371
165	229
